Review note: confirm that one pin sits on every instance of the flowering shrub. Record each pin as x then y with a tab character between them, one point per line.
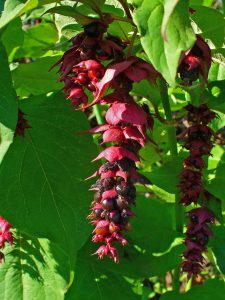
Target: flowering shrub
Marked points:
112	150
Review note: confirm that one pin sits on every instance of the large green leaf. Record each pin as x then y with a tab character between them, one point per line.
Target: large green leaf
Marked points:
35	79
157	252
152	232
211	289
38	40
164	178
70	12
214	186
46	195
15	8
217	242
214	95
8	105
179	36
169	6
153	225
93	283
12	37
211	22
34	269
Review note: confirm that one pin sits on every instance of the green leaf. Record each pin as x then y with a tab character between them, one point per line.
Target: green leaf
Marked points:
217	243
35	77
120	29
95	5
38	40
164	178
46	195
150	91
34	269
217	72
211	289
214	186
169	6
12	37
151	250
164	54
2	5
15	8
70	12
152	229
93	283
211	22
214	96
8	105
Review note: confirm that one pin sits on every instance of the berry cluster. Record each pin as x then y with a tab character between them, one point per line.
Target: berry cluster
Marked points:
115	191
6	236
126	126
198	141
197	236
80	66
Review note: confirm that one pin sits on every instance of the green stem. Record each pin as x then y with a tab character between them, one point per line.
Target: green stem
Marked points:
173	148
129	52
176	279
98	115
174	153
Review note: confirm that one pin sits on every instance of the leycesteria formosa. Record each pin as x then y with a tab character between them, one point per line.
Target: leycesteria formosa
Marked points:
96	65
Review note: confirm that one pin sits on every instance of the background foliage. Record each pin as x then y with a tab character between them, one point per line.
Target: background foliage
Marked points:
42	188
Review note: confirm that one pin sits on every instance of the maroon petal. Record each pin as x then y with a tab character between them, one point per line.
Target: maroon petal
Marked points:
99	128
111	73
133	133
126	112
113	135
109	194
115	153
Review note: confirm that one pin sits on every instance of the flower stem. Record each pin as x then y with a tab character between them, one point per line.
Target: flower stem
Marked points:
129	52
174	153
173	148
126	8
98	115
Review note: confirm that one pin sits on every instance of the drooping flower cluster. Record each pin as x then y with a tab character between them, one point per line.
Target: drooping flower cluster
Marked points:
195	62
197	235
198	141
126	126
115	191
80	66
6	236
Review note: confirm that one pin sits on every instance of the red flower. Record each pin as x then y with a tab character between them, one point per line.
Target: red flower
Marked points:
195	61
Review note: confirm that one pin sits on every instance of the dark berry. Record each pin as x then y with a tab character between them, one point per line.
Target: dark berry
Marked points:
194	219
108	204
98	213
114	216
121	202
91	87
123	188
82	78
